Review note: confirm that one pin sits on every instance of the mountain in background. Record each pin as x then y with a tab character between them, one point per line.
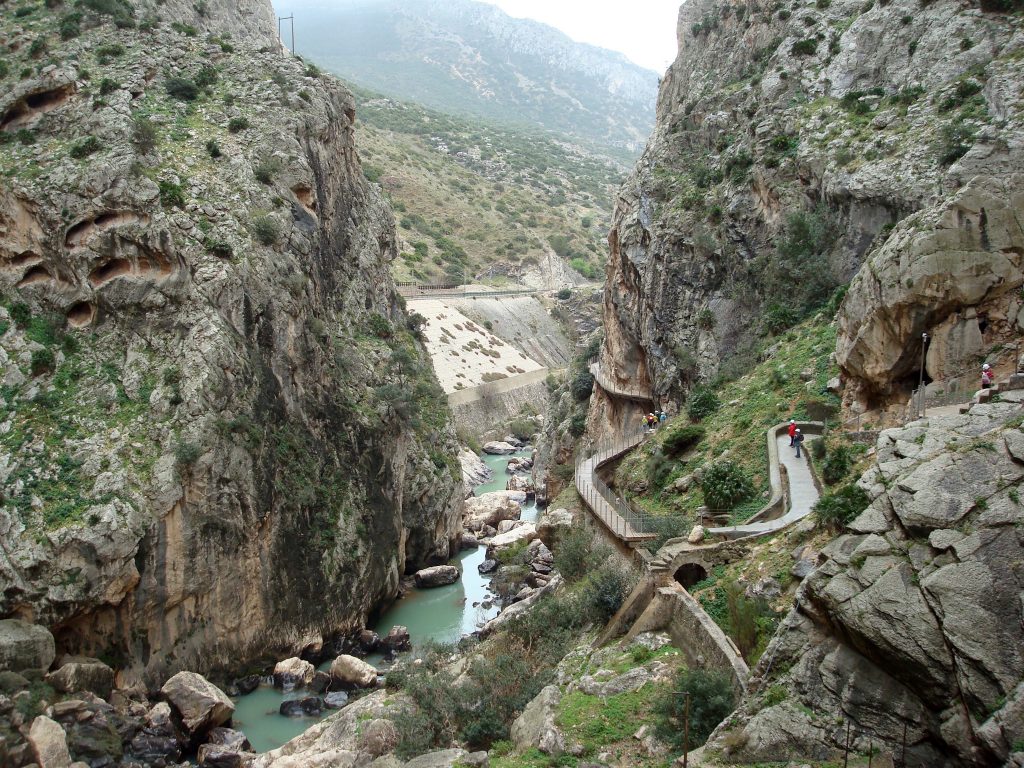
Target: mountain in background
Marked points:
470	58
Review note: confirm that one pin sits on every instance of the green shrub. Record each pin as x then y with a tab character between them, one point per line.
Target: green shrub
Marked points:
20	314
658	469
172	195
117	9
836	465
181	88
605	590
806	47
213	148
379	326
265	171
706	319
206	77
184	29
220	249
26	136
522	429
43	361
144	133
835	510
107	51
955	140
725	484
37	48
237	124
87	146
186	454
108	86
564	293
265	229
702	403
711	700
751	621
578	424
581	385
682	439
578	553
70	25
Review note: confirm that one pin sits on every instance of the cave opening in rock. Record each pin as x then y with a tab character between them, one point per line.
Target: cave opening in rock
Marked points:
690	574
81	314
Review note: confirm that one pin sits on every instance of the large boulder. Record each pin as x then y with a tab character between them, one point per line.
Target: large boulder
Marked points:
436	576
309	706
293	673
81	673
536	728
378	737
49	744
25	646
350	671
474	471
553	524
201	704
490	509
498	448
524	533
397	639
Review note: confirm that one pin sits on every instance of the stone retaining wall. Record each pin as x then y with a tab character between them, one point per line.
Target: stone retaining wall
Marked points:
485	407
706	646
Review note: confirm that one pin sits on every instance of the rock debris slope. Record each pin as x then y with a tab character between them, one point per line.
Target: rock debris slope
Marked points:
912	619
796	142
220	436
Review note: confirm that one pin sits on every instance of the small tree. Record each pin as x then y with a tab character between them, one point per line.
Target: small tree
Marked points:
725	484
711	700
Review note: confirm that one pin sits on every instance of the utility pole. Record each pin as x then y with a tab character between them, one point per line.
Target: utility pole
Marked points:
290	20
920	378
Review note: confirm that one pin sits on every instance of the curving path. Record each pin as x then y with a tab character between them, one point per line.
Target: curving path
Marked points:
803	493
613	389
612	512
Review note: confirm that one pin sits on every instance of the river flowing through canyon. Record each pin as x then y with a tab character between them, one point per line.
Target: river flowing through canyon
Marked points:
442	614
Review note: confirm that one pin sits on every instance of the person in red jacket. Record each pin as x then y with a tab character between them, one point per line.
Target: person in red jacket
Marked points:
792	432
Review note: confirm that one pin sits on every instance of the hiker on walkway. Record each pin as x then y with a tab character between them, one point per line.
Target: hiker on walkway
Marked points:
798	440
792	432
661	417
986	376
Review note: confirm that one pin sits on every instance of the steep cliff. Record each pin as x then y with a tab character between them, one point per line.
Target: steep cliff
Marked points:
794	143
220	434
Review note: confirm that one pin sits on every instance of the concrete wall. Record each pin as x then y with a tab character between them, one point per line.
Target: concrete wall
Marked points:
482	408
706	646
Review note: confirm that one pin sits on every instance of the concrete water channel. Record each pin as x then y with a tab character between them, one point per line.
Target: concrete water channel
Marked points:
443	615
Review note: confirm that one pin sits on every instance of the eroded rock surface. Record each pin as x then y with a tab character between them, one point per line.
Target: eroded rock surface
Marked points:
913	618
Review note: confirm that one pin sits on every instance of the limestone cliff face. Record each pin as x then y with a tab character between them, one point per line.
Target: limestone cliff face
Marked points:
220	438
793	143
912	618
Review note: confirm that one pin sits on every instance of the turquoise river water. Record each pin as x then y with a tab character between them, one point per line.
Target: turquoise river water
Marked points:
442	614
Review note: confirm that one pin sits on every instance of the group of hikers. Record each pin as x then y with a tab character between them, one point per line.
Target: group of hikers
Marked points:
652	420
796	437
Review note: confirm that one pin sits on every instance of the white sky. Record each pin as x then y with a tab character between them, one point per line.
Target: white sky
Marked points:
644	30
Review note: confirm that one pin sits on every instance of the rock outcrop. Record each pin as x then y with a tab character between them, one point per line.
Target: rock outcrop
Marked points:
24	646
213	407
791	147
201	705
912	619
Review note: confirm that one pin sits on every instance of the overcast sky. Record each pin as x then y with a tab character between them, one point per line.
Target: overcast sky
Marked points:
644	30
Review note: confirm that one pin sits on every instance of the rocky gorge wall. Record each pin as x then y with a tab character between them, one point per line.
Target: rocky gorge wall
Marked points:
911	621
796	142
220	437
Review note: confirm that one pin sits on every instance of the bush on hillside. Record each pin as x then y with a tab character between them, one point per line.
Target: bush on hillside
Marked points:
144	133
266	229
702	403
725	485
181	88
582	385
836	464
659	468
605	590
835	510
682	439
711	700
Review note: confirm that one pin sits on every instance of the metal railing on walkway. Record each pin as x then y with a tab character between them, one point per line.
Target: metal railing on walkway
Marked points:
626	391
618	515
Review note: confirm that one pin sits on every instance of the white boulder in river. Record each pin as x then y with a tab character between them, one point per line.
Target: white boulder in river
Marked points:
436	576
349	670
201	704
498	448
474	471
491	508
293	673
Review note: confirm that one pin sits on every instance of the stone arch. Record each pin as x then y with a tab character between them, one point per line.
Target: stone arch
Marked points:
689	574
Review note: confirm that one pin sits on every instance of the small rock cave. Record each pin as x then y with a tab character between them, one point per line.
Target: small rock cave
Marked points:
81	314
37	274
25	109
690	574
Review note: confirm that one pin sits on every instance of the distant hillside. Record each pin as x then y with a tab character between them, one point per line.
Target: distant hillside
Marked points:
469	58
486	203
